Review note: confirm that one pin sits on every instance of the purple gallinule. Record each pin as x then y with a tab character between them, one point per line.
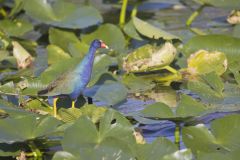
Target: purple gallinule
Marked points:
73	82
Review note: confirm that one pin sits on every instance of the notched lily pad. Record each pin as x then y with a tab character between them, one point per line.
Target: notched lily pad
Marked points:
203	62
148	57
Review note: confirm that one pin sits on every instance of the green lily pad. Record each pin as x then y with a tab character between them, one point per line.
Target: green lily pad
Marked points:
186	109
31	127
203	62
62	38
200	139
160	148
56	54
114	135
62	13
149	57
131	31
151	31
16	27
222	43
110	34
210	89
137	84
91	111
233	4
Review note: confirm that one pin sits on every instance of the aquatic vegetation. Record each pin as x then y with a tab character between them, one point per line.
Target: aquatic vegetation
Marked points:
166	65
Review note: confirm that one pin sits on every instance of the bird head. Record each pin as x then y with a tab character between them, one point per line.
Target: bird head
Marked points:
99	44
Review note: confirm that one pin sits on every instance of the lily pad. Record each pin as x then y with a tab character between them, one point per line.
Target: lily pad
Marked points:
62	38
16	27
91	111
149	57
186	109
157	150
62	13
151	31
203	62
56	54
110	34
110	140
131	31
222	43
233	4
200	139
31	127
137	84
210	89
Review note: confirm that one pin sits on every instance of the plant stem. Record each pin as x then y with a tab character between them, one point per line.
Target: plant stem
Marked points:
3	12
193	16
177	135
123	13
35	151
135	10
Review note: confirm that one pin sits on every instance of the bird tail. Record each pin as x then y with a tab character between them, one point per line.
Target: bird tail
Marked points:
42	92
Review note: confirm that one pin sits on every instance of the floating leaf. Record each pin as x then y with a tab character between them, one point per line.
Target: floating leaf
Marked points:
30	126
113	136
56	54
131	31
91	111
62	13
234	4
186	109
203	62
110	34
62	38
199	138
16	27
137	84
210	89
149	57
222	43
151	31
160	148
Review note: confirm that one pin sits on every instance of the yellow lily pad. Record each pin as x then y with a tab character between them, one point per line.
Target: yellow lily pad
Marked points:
149	57
203	62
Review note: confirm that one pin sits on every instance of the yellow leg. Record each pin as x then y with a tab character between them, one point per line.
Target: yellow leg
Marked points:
55	107
73	104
